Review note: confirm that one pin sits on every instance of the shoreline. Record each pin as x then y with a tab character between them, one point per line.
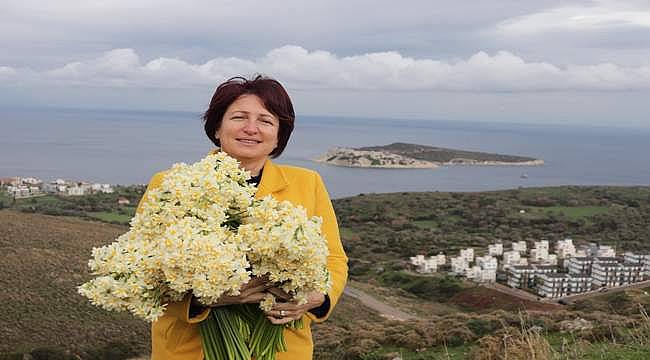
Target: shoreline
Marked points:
370	159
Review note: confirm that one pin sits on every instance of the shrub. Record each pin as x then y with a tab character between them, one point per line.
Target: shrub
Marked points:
51	353
113	351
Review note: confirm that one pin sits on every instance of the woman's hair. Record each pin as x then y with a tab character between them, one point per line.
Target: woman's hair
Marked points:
273	96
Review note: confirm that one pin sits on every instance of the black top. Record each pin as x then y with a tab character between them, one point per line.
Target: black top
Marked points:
255	180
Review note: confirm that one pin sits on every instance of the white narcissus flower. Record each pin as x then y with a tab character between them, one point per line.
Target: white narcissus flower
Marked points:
202	231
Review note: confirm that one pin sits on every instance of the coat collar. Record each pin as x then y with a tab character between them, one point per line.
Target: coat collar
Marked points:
273	178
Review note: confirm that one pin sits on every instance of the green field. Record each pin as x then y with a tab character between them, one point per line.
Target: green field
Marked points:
110	217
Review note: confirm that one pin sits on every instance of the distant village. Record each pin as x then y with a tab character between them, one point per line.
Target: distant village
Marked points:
567	271
19	187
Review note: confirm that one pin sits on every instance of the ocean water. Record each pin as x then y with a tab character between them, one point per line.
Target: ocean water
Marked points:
127	147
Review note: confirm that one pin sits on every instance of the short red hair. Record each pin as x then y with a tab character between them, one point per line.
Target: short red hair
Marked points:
273	96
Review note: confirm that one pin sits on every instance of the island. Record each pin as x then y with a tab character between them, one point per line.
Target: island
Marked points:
413	156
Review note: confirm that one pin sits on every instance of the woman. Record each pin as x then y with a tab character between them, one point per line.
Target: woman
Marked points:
252	120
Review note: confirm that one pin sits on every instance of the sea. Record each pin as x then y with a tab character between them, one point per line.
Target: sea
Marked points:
128	147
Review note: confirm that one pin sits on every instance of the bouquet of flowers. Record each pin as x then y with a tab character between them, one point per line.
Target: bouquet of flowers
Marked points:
203	232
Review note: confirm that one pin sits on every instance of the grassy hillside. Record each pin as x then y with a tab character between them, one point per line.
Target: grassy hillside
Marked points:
45	259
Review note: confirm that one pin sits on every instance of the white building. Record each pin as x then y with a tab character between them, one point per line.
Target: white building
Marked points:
579	284
473	273
487	262
489	276
467	254
553	285
31	181
524	276
424	265
611	275
103	188
519	246
521	276
633	258
565	248
580	265
495	249
539	252
605	251
488	266
581	253
22	191
551	259
511	258
541	245
76	191
441	259
458	265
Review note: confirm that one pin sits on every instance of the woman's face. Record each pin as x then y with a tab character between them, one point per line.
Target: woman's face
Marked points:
248	132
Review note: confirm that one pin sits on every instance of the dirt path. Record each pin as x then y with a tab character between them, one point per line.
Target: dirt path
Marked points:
512	291
383	309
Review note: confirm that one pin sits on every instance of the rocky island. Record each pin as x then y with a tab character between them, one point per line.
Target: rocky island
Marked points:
403	155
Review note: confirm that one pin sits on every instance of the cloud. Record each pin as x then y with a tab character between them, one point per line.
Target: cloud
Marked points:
302	69
598	15
6	71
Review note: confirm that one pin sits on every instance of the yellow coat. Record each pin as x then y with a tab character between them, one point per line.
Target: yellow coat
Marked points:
175	336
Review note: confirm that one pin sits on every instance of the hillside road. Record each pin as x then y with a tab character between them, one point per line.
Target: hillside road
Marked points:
382	308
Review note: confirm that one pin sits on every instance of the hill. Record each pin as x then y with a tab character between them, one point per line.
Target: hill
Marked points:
446	155
381	231
47	257
403	155
44	260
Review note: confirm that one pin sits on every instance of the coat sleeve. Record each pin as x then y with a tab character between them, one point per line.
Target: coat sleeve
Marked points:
337	261
180	309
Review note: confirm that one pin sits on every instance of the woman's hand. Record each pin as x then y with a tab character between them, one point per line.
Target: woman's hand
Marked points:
252	292
284	312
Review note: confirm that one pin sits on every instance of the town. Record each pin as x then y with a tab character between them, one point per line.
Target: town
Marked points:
18	187
568	271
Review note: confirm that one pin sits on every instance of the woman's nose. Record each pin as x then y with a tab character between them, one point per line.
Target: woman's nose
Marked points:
250	126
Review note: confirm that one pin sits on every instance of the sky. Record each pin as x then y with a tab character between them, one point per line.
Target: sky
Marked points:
538	62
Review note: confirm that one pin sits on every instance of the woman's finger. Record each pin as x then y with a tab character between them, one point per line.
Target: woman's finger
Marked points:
256	289
279	293
276	317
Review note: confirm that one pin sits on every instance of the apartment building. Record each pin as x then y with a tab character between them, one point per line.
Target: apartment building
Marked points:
565	249
553	285
495	249
580	265
524	276
616	274
425	265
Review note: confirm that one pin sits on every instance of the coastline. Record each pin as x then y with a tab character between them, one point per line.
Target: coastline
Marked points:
370	159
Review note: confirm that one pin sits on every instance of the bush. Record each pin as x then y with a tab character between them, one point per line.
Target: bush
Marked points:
113	351
426	287
51	353
481	327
